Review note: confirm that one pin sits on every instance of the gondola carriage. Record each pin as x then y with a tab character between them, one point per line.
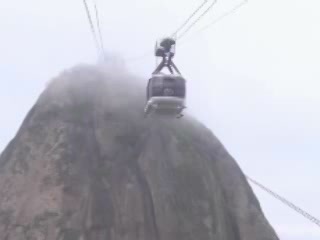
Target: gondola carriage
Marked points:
166	93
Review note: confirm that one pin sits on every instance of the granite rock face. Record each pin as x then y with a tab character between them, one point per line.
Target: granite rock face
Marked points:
86	165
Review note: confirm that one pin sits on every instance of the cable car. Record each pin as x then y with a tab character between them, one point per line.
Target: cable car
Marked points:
166	93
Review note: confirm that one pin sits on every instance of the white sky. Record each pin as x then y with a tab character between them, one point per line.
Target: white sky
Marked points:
253	79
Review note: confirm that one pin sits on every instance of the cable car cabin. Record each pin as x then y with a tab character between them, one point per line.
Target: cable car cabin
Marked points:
166	94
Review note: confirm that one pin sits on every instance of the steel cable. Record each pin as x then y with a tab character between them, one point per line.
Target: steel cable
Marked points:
286	202
197	20
93	31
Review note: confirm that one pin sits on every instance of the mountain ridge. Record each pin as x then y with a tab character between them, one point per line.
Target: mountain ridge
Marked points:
86	164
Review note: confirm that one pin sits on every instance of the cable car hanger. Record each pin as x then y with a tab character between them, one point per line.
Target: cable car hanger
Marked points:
166	50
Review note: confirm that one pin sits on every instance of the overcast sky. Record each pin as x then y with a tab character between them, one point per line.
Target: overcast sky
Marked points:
253	79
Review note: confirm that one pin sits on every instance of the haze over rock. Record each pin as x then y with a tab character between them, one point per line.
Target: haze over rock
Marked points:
86	165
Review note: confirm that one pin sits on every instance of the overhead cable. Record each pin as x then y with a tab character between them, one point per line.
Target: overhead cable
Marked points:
93	31
286	202
197	20
218	19
189	18
99	28
226	14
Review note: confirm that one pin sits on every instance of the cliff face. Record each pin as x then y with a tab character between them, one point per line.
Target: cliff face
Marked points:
86	165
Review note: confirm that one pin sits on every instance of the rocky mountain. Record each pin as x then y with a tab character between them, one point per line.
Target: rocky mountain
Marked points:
86	165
